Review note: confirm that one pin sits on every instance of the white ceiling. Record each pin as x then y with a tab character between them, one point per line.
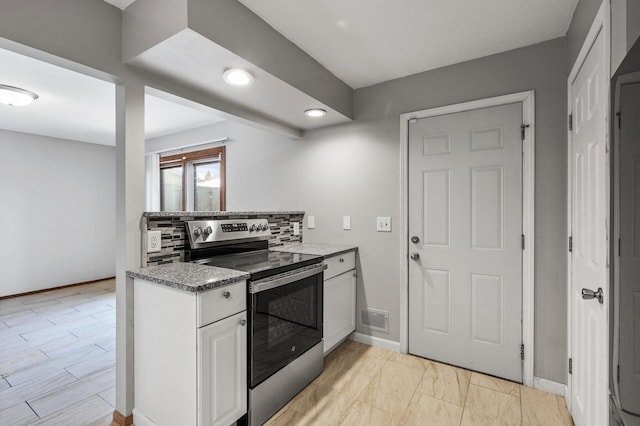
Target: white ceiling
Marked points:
364	42
196	61
163	117
77	107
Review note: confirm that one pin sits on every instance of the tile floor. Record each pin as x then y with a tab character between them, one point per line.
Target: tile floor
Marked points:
57	357
363	385
57	368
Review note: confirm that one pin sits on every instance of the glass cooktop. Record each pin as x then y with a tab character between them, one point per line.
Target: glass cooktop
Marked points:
263	263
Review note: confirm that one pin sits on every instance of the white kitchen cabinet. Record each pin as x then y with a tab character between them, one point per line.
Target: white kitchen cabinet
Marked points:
222	363
190	355
339	312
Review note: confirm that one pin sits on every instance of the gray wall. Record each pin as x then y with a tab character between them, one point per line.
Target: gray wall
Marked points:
59	212
633	22
256	163
356	168
625	28
583	16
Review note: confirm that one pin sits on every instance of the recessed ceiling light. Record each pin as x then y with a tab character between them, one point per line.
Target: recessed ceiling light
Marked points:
15	96
237	77
315	112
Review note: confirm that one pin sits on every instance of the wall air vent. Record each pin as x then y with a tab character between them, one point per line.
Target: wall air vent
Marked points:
374	319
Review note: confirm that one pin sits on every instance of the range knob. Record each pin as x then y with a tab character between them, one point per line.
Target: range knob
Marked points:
207	230
197	232
265	227
253	228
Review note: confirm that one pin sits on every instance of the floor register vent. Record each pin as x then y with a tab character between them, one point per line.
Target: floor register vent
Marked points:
374	319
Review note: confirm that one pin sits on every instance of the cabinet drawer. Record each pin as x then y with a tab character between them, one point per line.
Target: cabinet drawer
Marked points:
339	264
213	305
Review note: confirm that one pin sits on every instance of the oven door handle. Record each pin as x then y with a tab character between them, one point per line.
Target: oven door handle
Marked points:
267	284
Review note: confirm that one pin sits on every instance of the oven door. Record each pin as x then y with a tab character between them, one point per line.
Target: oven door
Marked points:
285	316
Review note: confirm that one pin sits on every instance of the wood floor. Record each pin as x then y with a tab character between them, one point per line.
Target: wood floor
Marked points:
57	357
363	385
57	367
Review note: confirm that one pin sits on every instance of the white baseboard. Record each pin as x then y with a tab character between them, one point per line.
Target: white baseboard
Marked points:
140	419
375	341
550	386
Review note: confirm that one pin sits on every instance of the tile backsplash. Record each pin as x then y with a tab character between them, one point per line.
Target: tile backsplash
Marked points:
174	237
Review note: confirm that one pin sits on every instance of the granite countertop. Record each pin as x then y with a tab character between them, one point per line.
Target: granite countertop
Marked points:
190	277
218	213
326	250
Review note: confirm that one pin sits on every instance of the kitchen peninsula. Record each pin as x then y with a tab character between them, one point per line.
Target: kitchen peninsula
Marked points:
248	308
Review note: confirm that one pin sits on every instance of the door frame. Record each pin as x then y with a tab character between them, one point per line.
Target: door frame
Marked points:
614	287
528	217
601	22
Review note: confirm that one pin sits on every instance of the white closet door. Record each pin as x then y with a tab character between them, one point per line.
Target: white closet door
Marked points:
465	214
590	225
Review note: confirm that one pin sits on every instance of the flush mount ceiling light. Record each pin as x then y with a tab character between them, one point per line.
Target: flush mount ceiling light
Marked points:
237	77
315	112
15	96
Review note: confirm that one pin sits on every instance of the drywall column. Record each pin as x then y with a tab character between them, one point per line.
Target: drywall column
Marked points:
130	198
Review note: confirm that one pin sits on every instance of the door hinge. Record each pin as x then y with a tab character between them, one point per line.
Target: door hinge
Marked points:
570	366
619	247
522	351
522	241
570	121
570	244
522	129
618	374
619	115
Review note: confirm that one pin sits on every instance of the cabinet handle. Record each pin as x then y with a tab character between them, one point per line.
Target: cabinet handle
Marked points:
226	294
243	322
341	260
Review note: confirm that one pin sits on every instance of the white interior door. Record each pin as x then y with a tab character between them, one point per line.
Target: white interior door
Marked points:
589	230
465	224
629	306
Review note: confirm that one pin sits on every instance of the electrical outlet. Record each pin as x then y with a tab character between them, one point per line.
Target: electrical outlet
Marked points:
154	241
296	228
311	222
383	224
346	223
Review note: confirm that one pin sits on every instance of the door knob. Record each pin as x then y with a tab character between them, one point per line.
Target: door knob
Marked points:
414	256
243	322
590	294
226	294
415	240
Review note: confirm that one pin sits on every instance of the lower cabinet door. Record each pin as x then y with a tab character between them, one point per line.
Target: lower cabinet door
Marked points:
339	313
222	371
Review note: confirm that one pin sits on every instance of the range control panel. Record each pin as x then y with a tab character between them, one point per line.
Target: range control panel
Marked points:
234	227
203	233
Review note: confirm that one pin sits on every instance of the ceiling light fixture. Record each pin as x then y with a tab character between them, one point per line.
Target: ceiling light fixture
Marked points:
315	112
15	96
237	77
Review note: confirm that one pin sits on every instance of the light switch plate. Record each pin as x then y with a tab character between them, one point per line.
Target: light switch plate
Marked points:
311	222
383	224
154	241
346	223
296	228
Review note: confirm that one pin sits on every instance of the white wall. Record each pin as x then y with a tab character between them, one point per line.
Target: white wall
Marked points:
58	212
256	163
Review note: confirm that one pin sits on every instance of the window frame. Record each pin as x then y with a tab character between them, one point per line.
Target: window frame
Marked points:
185	159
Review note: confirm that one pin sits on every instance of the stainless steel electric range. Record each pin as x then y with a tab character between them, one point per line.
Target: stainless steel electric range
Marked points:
284	297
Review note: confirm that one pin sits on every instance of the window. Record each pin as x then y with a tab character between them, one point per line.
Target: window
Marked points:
193	181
